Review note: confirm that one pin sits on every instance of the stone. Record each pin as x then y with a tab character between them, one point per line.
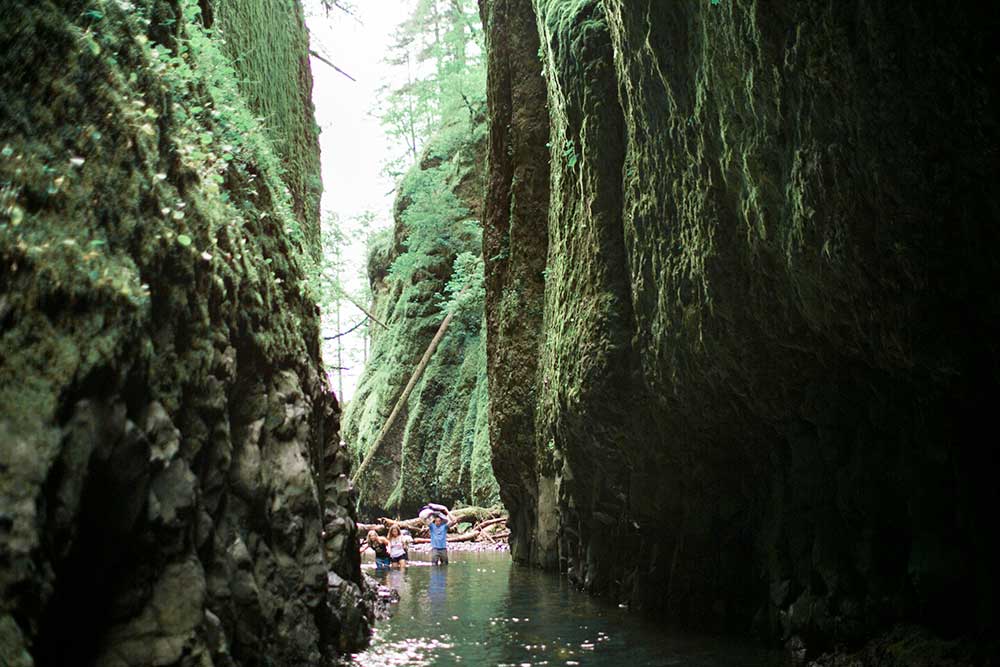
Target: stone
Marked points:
138	377
715	314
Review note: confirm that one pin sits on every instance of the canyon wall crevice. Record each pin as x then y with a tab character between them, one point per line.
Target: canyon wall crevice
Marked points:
765	354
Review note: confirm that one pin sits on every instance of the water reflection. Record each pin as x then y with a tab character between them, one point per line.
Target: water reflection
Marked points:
480	610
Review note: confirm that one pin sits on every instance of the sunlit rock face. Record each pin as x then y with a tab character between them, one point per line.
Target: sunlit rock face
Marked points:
766	350
165	425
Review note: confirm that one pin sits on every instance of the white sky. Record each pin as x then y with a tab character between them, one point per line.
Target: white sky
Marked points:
352	142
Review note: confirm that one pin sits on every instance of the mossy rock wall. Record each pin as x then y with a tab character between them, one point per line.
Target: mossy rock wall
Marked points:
437	450
768	303
268	44
163	410
515	244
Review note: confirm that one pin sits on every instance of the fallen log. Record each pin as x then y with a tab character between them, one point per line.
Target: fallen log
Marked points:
467	536
401	401
485	524
410	524
476	514
481	517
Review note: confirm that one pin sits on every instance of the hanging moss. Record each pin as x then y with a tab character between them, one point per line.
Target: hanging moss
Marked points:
268	44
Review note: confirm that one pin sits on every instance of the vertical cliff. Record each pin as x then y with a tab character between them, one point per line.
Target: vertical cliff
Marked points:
765	355
164	416
515	242
438	448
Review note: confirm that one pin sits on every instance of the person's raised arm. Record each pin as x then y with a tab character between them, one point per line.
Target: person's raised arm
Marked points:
451	518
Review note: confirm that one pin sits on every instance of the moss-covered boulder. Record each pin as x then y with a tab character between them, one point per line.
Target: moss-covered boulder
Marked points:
437	449
163	410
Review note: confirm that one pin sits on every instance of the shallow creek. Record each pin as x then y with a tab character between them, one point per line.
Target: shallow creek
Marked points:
483	610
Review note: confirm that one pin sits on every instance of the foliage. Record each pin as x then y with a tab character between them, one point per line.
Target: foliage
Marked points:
432	264
428	219
438	57
147	174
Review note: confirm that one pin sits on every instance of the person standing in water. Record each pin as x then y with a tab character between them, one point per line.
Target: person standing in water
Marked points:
439	521
397	547
380	546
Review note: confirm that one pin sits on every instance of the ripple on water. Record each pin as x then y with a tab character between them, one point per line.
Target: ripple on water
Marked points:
480	610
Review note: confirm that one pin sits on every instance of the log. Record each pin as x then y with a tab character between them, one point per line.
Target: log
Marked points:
477	513
401	401
467	536
491	522
410	524
485	516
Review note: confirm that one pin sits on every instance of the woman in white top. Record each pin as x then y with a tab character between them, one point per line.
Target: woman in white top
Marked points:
397	548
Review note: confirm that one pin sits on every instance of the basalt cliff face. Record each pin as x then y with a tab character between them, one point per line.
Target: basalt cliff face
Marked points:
750	288
437	449
165	425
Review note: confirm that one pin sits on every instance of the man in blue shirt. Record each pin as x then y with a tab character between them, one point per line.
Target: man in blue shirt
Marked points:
439	523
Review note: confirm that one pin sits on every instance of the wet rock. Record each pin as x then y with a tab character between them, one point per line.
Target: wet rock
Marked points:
716	369
159	634
162	435
160	390
172	494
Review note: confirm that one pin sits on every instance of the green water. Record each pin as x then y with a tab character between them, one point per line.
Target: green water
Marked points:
482	610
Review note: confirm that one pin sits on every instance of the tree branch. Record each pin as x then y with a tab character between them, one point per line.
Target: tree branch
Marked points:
334	3
322	59
344	333
361	308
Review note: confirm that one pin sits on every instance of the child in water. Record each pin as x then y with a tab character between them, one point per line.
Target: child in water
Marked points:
380	546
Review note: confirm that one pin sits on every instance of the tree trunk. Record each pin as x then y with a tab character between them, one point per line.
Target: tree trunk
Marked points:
405	395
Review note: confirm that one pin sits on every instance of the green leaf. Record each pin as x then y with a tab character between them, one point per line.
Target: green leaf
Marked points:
184	240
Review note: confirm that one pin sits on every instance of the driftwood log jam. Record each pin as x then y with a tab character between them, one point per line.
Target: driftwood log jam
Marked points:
467	536
488	524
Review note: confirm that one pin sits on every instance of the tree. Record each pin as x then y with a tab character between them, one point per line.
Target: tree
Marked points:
437	54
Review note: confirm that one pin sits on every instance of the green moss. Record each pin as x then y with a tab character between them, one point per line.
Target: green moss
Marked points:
437	250
147	257
267	40
109	217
